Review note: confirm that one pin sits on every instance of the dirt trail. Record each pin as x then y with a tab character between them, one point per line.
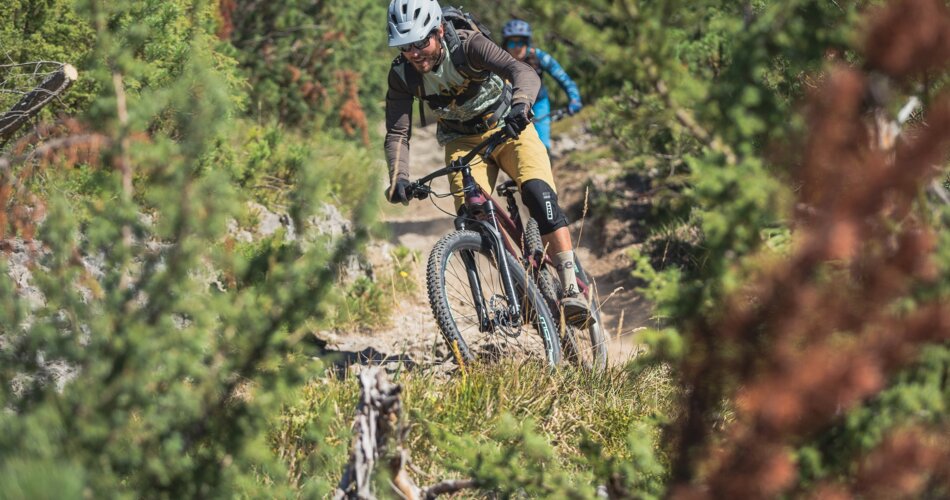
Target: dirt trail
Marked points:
413	336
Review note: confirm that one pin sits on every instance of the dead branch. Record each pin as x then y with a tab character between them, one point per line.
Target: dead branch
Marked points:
450	486
35	100
377	421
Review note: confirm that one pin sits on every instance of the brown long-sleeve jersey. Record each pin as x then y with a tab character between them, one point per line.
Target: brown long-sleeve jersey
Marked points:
444	82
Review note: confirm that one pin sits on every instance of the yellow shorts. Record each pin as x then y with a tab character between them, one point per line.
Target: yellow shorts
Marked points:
522	159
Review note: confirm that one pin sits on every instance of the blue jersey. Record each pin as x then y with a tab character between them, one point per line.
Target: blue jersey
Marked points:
542	62
545	63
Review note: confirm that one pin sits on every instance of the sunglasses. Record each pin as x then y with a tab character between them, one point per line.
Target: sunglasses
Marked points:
420	45
515	44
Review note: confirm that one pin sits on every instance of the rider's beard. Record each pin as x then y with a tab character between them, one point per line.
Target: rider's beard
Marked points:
426	62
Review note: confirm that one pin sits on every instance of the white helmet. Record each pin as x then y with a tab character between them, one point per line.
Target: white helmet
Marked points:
412	20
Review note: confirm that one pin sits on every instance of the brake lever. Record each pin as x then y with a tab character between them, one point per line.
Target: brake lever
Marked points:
419	191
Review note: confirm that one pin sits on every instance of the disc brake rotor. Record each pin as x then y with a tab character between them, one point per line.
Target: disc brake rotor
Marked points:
501	316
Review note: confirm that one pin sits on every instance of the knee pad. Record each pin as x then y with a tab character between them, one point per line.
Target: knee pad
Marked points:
542	204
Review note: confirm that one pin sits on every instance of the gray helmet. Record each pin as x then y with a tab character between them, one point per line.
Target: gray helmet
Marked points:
412	20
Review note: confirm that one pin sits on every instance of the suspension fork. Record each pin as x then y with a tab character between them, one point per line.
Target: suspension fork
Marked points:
481	207
489	231
498	247
475	285
474	282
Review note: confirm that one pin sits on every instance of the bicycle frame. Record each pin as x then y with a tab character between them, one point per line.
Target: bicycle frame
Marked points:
513	227
479	213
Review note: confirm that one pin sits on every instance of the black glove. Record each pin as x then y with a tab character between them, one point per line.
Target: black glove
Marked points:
397	192
517	120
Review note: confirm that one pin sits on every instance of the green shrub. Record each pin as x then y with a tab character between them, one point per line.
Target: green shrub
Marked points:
139	375
305	61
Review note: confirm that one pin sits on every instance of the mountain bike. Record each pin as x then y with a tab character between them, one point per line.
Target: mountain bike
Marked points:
490	280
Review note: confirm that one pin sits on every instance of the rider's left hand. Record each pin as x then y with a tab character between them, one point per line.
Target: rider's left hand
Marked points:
517	120
397	192
574	107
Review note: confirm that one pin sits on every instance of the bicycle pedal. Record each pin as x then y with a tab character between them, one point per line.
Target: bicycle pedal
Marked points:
580	320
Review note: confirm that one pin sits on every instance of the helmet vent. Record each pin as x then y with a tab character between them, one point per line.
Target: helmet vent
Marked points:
405	8
415	15
428	18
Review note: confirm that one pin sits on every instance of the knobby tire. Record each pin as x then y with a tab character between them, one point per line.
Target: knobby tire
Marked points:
451	298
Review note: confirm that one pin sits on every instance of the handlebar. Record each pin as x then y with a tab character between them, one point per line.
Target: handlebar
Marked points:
420	190
553	115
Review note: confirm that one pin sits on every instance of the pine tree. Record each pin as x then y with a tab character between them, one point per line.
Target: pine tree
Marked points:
156	357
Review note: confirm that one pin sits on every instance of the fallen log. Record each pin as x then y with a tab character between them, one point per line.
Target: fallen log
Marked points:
31	103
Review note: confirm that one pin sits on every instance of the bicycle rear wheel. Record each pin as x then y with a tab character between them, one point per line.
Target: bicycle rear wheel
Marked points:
584	347
473	312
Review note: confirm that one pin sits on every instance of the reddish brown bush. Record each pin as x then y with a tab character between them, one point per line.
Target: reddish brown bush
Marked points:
352	116
225	13
822	334
909	37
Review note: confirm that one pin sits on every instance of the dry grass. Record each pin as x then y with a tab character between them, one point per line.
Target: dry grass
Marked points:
567	408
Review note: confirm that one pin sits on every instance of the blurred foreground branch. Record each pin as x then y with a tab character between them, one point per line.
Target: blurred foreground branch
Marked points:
688	121
378	417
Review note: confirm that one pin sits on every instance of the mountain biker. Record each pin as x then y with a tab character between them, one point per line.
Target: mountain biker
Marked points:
462	75
516	39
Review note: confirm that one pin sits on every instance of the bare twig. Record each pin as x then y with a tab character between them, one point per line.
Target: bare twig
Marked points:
122	112
940	191
36	64
580	233
619	325
125	164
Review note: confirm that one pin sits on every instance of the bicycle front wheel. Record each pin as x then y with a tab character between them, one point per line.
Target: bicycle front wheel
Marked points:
474	313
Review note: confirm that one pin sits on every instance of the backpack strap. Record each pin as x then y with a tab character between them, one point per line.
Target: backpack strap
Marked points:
454	43
458	57
422	113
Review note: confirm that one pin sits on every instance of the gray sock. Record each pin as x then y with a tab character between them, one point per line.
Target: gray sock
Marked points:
565	270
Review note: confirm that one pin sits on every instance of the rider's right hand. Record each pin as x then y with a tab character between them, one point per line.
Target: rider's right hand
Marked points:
397	193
